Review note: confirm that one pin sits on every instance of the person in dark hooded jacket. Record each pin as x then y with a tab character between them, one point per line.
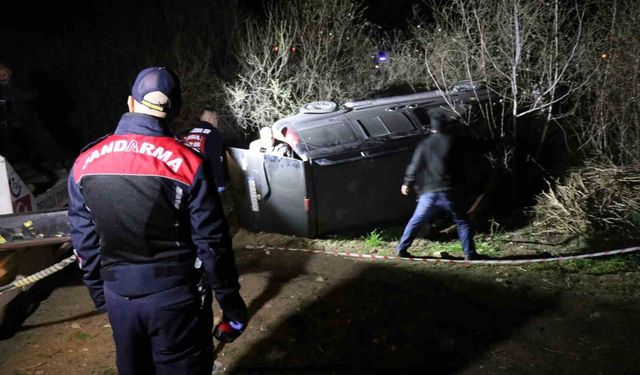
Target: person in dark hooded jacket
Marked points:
436	171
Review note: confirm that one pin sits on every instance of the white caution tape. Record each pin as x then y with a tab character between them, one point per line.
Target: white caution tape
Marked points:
446	260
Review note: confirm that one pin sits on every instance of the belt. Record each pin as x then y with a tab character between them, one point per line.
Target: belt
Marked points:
157	271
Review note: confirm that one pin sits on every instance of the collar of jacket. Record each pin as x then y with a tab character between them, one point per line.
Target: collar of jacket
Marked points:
205	125
139	123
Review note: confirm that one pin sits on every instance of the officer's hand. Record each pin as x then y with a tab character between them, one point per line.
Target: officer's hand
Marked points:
227	331
221	189
404	190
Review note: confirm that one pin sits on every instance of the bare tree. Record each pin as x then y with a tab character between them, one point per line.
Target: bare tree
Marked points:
525	51
601	195
303	51
610	118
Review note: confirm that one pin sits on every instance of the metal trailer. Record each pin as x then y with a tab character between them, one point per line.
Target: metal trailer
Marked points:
34	235
29	243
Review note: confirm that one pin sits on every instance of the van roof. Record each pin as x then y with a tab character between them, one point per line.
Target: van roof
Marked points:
435	97
347	121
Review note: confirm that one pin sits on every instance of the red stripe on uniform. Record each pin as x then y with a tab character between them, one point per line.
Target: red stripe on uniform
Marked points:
134	154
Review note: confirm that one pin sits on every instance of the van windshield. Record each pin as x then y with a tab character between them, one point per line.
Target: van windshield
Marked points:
327	135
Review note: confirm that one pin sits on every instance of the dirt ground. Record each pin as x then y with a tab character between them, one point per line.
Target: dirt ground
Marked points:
327	314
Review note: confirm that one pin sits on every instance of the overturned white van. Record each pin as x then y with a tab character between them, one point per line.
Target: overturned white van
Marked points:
348	162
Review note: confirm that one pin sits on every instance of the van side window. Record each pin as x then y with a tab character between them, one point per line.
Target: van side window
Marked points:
397	123
329	135
423	117
373	127
390	123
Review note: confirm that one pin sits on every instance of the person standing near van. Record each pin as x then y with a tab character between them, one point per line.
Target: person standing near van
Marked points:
269	144
437	169
150	234
206	138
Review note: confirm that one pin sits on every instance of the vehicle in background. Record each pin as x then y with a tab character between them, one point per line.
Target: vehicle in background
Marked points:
348	163
29	243
25	189
34	234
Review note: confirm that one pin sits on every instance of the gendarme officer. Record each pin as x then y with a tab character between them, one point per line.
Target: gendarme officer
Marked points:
150	234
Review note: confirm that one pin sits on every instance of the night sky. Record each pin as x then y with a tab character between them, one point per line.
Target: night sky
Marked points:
29	29
54	17
35	23
30	34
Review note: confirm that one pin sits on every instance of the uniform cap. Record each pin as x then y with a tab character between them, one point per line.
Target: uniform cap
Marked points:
154	88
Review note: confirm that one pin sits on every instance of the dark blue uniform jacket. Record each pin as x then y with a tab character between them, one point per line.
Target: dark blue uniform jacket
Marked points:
205	138
142	207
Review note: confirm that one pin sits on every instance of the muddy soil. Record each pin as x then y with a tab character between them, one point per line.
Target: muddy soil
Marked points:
327	314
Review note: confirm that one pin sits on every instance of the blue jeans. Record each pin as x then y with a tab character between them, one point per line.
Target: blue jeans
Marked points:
428	205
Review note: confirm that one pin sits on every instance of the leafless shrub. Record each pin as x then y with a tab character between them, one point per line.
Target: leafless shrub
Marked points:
596	198
527	52
603	196
609	125
405	66
303	51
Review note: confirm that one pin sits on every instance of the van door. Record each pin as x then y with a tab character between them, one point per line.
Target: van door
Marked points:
271	193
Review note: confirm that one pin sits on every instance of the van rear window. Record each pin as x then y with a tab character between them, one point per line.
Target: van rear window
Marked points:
329	135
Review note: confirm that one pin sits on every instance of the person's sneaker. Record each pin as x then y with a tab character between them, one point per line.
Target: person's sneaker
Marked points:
472	256
404	254
217	368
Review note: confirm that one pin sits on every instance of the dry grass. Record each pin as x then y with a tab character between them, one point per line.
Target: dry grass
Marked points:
594	199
